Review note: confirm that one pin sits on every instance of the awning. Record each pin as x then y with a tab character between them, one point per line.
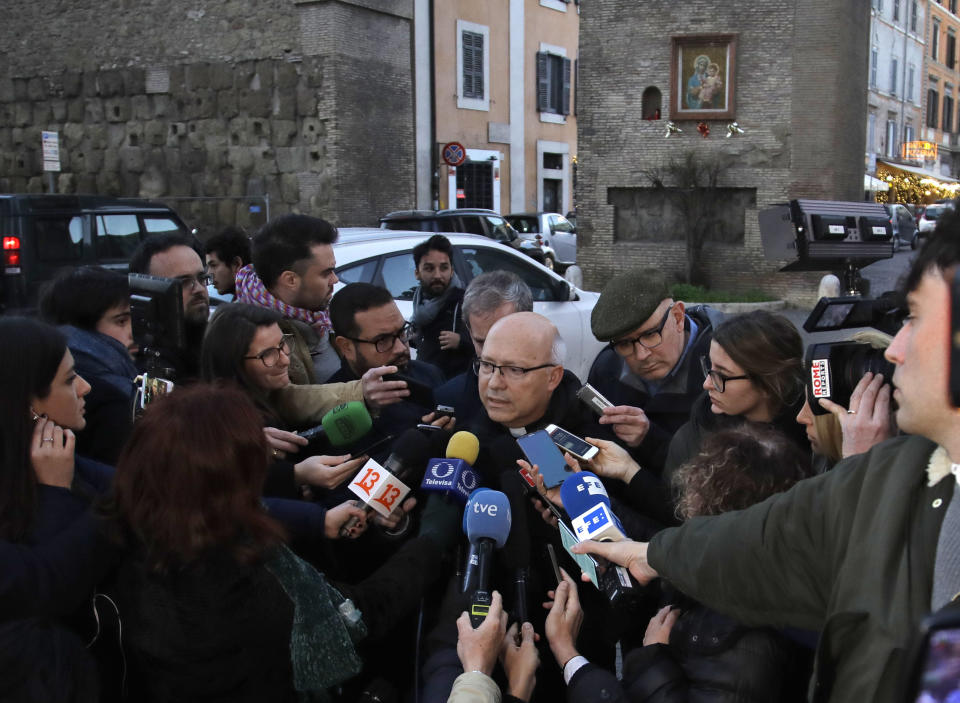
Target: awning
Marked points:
922	172
874	184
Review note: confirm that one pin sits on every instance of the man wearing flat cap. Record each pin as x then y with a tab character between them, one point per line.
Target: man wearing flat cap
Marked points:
651	369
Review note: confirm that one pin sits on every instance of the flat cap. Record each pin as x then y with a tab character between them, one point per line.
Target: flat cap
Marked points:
627	301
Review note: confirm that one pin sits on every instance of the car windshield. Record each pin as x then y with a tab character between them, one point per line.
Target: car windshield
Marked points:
524	225
934	211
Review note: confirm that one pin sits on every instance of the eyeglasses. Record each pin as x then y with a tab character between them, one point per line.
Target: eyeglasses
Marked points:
385	342
201	279
647	340
513	373
269	357
718	380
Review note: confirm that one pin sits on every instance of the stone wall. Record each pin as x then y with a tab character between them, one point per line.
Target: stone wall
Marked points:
800	98
309	103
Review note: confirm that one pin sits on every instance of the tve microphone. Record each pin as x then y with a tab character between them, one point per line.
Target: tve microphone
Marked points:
487	523
586	501
343	425
382	488
453	476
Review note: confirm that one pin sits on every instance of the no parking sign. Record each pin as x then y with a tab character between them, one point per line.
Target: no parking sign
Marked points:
454	154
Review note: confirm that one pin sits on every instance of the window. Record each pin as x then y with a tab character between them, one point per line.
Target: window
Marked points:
908	94
896	10
399	276
483	259
871	132
933	107
158	223
58	238
893	76
891	149
953	6
873	68
908	133
651	104
951	49
935	41
473	66
914	16
947	110
357	273
553	83
878	5
117	236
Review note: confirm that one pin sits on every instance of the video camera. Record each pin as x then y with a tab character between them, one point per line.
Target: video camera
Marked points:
156	311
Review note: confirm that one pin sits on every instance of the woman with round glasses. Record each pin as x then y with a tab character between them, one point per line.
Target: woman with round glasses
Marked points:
754	374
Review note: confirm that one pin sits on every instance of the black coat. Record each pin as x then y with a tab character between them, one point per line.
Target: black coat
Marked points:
450	361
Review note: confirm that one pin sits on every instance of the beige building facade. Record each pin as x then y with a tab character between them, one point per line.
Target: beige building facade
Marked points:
498	78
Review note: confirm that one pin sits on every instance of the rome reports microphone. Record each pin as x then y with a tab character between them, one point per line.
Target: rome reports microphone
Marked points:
486	520
453	476
343	425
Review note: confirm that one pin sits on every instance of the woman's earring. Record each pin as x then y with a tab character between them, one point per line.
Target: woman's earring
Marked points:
34	415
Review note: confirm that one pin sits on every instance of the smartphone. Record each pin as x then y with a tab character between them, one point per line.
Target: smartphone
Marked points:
553	562
587	563
445	411
368	450
420	393
540	450
147	389
591	396
570	442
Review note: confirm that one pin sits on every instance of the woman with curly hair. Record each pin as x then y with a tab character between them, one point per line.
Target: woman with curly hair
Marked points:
754	374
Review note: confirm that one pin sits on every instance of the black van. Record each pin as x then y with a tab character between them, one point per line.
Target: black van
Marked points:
43	233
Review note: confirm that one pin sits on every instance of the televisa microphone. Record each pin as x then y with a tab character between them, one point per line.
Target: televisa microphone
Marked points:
487	522
342	425
586	501
453	476
382	488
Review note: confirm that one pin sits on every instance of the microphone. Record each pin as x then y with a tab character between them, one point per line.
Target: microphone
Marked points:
487	523
453	476
517	550
342	425
586	501
382	488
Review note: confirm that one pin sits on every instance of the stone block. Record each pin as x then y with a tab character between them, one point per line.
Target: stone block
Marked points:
6	90
76	110
153	183
43	114
134	81
88	159
237	131
306	101
312	130
165	106
264	75
226	104
117	109
22	114
20	89
117	136
179	184
267	162
176	133
193	160
176	79
291	159
200	104
59	110
131	159
73	133
36	89
110	83
243	73
197	76
93	110
90	88
254	103
241	158
111	160
36	185
67	183
97	135
86	183
289	188
108	183
284	132
6	138
227	211
260	131
72	82
286	77
312	70
140	107
154	133
285	105
172	158
221	76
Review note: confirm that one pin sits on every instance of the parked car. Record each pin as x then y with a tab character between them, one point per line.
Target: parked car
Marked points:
370	255
928	220
559	236
42	233
487	223
903	224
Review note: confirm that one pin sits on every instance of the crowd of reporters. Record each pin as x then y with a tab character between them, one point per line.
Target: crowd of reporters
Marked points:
227	554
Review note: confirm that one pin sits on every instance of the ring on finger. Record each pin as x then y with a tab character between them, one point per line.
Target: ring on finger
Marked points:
851	412
46	439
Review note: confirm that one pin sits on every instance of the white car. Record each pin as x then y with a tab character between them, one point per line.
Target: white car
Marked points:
558	235
385	258
928	220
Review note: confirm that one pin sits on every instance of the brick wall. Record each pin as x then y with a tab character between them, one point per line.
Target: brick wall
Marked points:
801	86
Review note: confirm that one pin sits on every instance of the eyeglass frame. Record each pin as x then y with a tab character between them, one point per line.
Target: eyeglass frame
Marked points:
714	375
201	279
403	335
516	373
634	341
284	347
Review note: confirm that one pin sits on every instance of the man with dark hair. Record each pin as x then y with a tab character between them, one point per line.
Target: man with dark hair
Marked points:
370	331
863	552
441	336
227	253
293	273
179	256
651	369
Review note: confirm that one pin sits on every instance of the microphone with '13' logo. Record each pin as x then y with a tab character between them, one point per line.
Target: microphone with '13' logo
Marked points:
453	476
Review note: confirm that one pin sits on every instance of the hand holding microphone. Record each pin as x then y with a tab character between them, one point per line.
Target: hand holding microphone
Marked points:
326	471
479	645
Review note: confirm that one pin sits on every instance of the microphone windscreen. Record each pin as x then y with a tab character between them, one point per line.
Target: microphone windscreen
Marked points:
487	515
346	423
464	445
582	491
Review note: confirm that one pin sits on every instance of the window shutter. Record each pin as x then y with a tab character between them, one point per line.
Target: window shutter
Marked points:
565	99
543	82
472	43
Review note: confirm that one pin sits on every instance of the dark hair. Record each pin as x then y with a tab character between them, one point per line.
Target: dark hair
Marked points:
354	298
436	243
227	340
736	468
941	251
232	243
159	243
81	296
769	349
30	354
284	242
182	497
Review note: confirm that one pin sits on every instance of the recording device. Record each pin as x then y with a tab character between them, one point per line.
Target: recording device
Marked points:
445	411
453	476
885	313
591	396
571	443
487	520
147	389
342	425
156	316
835	369
382	488
540	450
420	393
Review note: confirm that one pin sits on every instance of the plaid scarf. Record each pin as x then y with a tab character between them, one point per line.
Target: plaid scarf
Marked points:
250	289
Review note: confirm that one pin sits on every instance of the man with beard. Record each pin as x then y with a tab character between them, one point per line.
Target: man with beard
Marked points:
370	331
293	273
441	335
179	256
